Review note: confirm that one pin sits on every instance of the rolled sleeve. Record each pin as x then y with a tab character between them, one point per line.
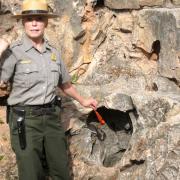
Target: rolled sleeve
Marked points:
65	77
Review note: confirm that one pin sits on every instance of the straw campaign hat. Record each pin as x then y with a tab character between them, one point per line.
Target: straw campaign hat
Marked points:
35	7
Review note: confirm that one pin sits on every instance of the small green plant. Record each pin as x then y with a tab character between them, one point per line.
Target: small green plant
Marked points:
74	78
1	157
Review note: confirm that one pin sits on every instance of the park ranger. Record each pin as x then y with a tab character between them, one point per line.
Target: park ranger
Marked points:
34	68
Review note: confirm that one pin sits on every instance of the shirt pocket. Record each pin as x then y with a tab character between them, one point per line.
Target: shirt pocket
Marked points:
27	75
55	72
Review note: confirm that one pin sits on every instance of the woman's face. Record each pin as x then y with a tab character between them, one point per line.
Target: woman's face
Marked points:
35	26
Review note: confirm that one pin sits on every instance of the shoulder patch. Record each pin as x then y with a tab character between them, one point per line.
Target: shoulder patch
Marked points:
6	54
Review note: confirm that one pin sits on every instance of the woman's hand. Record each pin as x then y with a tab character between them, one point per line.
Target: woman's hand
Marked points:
90	102
3	89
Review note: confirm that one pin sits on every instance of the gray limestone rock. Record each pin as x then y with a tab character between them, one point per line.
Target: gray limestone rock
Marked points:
176	2
122	4
120	102
151	2
161	25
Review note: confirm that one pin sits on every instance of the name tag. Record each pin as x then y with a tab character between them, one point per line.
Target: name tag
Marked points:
25	61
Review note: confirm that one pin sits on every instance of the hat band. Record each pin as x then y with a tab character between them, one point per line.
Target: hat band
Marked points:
35	12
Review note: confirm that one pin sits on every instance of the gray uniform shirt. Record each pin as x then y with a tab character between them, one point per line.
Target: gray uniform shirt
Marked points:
34	75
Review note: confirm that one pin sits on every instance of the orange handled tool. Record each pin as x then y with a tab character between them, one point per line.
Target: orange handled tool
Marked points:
101	120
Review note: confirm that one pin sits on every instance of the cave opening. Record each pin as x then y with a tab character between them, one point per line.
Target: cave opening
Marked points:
114	135
155	50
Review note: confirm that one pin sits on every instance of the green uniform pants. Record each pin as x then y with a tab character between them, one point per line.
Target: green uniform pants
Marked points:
46	142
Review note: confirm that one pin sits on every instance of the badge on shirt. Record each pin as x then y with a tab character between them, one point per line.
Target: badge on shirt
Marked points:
25	61
53	57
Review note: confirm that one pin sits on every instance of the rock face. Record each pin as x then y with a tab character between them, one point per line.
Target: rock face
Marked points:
122	4
151	2
136	4
176	2
163	28
126	54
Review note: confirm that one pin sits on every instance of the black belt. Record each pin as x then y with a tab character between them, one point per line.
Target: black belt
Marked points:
48	105
55	102
36	109
42	108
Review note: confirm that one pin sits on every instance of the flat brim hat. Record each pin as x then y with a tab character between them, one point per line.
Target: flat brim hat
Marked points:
34	8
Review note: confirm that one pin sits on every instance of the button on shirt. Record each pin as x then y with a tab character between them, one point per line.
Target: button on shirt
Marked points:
34	75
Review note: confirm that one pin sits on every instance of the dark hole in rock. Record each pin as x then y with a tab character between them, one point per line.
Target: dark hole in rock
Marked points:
114	135
125	30
137	162
175	81
152	87
100	3
156	48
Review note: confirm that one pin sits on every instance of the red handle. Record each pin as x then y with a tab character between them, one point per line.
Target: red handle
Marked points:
99	117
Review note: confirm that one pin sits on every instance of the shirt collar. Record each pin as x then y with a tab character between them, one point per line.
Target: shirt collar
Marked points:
27	43
47	46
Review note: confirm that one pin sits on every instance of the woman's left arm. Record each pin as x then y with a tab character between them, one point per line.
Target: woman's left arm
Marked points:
71	91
